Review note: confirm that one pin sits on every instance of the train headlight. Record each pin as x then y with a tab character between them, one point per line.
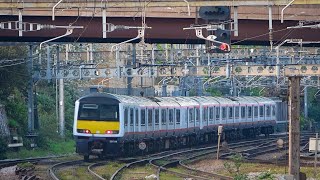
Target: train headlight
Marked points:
111	132
87	131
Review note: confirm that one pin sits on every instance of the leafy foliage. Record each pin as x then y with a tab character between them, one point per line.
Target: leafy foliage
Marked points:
16	109
267	175
3	148
13	76
313	105
13	94
234	167
214	92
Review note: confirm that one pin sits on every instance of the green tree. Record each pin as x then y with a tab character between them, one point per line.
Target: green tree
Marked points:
13	70
214	92
16	109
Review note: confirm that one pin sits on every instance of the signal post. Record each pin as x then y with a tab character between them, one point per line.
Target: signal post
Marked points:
294	126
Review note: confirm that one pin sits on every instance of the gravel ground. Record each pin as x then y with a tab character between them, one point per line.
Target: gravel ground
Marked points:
8	173
217	166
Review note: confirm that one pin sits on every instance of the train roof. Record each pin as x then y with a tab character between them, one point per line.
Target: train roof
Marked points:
182	101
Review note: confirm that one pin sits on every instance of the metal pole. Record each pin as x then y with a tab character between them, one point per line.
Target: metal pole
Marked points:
270	26
199	81
294	126
315	157
164	88
219	137
20	22
104	23
235	18
48	63
61	99
129	79
30	93
61	107
306	102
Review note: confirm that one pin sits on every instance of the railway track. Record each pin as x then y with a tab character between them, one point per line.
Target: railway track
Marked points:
164	162
25	168
169	161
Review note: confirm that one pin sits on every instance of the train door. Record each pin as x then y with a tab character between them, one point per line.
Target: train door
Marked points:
268	112
156	119
223	114
130	119
262	112
201	119
205	116
149	120
164	120
256	113
273	114
126	119
177	121
211	115
187	117
198	117
243	113
183	118
191	117
171	119
218	115
136	120
236	113
249	113
230	113
143	115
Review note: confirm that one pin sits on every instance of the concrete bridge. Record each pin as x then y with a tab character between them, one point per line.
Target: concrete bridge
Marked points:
167	19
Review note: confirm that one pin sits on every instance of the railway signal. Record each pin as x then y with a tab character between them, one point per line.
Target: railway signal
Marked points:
224	37
214	13
219	15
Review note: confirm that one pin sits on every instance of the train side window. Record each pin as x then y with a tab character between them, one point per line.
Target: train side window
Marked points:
149	117
237	112
171	116
273	110
197	114
230	112
163	116
191	115
137	117
211	113
131	117
156	111
243	112
205	113
268	110
255	111
177	116
224	112
143	117
261	111
217	113
125	116
249	111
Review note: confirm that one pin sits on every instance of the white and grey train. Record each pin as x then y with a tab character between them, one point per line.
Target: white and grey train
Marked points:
110	124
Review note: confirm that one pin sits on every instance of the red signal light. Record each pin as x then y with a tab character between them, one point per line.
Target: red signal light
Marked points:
224	47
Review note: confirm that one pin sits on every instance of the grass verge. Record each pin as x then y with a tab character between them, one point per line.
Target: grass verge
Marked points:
53	148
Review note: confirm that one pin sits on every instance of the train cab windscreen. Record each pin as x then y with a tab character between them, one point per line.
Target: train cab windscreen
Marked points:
98	112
